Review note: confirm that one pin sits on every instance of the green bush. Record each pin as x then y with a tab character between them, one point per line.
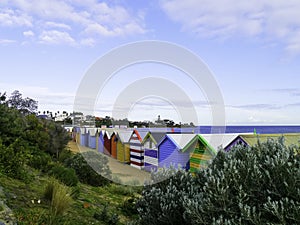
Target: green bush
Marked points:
13	159
106	217
65	175
257	185
82	163
40	161
163	202
64	155
129	206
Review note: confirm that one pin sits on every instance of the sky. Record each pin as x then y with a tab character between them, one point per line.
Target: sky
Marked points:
252	49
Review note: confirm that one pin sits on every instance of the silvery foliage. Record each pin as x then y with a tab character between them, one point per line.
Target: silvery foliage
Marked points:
163	201
257	185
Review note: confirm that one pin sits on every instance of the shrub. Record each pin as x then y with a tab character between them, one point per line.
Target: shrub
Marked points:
64	155
41	161
129	206
104	216
65	175
14	158
163	202
82	163
257	185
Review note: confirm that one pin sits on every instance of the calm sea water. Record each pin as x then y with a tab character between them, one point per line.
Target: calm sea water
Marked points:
230	129
250	129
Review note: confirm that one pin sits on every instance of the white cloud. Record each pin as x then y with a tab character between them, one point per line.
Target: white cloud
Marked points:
28	33
276	20
6	41
56	37
88	42
9	17
87	19
57	25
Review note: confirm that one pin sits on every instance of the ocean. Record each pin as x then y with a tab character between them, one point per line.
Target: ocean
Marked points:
249	129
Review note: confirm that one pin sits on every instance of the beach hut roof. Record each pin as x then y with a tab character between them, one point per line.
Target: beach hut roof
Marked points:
143	134
109	132
92	131
155	136
180	140
217	141
201	139
124	135
82	130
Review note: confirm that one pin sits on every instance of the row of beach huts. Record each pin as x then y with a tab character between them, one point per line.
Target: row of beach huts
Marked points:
150	149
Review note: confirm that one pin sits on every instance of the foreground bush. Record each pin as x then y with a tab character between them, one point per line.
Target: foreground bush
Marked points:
86	164
14	158
163	202
65	175
258	185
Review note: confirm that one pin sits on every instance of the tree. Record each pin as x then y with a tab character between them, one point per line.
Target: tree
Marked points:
11	124
25	106
59	138
2	97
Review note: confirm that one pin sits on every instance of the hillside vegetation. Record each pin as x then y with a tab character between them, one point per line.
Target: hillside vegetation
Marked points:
42	182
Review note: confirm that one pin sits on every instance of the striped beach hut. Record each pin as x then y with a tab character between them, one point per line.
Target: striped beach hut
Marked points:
151	151
137	149
201	152
170	151
123	147
91	132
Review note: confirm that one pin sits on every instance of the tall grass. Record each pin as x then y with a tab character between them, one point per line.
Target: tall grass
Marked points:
59	197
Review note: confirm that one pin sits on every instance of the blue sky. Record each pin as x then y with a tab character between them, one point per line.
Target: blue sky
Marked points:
252	48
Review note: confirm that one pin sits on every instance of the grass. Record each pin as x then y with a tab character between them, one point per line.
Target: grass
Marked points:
81	210
59	195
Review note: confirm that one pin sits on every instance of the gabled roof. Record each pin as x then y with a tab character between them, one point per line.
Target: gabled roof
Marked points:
139	134
101	131
180	140
91	131
155	136
143	134
82	130
218	141
124	135
109	133
199	137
